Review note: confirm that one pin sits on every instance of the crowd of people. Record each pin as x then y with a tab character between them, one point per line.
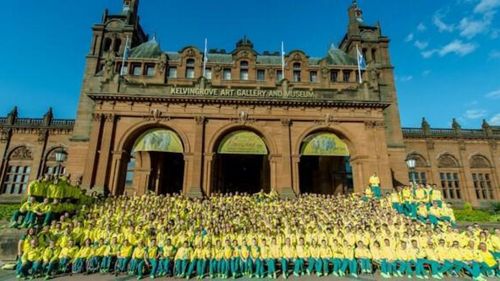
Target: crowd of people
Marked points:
48	198
259	235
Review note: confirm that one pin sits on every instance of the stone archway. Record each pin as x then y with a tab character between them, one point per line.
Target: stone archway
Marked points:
240	163
324	164
153	161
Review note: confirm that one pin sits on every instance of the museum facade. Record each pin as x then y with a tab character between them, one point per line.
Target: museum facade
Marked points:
242	121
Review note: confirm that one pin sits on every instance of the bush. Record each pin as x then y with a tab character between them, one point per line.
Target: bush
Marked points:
471	215
6	210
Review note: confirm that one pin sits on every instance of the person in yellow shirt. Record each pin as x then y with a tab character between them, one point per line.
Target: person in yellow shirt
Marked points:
396	201
123	257
255	266
216	261
273	255
50	258
447	215
182	259
363	256
387	259
31	261
109	252
166	258
368	193
348	260
405	257
245	260
375	185
434	213
66	255
288	255
433	259
205	257
314	261
196	254
80	260
139	258
235	262
24	215
325	254
488	264
422	212
301	256
153	256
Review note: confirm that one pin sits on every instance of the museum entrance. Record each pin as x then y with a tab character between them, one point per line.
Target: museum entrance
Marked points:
241	164
324	166
157	163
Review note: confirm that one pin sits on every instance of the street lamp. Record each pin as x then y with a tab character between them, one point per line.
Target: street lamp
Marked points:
60	158
411	163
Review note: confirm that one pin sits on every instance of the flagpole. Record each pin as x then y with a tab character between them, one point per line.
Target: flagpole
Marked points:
125	55
205	58
358	55
282	60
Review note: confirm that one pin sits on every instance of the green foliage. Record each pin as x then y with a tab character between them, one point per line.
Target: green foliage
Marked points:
471	215
495	207
6	210
467	206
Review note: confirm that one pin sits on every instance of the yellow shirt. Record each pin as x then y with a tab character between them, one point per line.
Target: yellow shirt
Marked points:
33	254
68	253
275	251
374	180
362	253
265	252
325	252
84	252
288	252
301	252
139	253
50	254
168	252
125	251
488	258
183	253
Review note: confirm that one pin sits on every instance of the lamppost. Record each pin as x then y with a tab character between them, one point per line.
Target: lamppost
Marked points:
410	162
60	158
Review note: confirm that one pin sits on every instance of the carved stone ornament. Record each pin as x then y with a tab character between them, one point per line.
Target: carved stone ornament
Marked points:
447	161
285	122
21	153
479	162
190	52
109	65
200	120
4	135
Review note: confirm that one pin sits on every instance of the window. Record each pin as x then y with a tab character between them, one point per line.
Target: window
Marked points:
16	179
313	76
190	68
420	177
172	72
117	44
227	74
136	69
334	75
482	186
208	73
107	44
129	179
347	76
243	70
374	54
279	75
296	72
150	70
261	74
450	185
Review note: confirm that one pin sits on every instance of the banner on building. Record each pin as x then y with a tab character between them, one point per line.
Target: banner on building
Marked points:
324	144
160	140
242	142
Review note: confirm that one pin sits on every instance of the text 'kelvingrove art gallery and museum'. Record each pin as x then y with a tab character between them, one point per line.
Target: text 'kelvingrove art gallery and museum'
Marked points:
245	163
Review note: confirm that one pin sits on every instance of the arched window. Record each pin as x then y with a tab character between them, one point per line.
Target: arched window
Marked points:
107	44
449	176
296	72
481	176
18	171
190	68
55	162
117	45
244	70
420	175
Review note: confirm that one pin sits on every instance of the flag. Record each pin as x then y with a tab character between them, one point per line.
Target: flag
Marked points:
361	63
205	59
282	60
126	52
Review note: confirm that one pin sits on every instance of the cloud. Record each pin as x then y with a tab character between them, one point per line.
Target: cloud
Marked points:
457	47
494	54
485	6
409	38
470	27
426	72
421	44
406	78
437	20
493	94
421	27
495	120
474	113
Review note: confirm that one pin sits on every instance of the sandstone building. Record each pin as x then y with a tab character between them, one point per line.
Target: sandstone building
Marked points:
240	120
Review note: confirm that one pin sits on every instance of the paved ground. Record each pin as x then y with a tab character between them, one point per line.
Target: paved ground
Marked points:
9	275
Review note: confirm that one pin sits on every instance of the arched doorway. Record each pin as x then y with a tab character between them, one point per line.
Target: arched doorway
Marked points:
241	164
157	161
324	166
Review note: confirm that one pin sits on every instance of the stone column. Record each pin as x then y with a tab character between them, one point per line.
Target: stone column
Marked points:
102	175
194	188
90	169
296	173
285	178
207	172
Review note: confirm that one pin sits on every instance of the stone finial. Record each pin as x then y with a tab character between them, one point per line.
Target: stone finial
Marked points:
12	116
426	127
47	117
486	128
456	126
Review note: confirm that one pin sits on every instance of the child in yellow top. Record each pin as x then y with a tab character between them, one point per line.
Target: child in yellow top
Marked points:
139	257
182	259
288	255
363	255
302	254
166	257
123	257
83	254
31	261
